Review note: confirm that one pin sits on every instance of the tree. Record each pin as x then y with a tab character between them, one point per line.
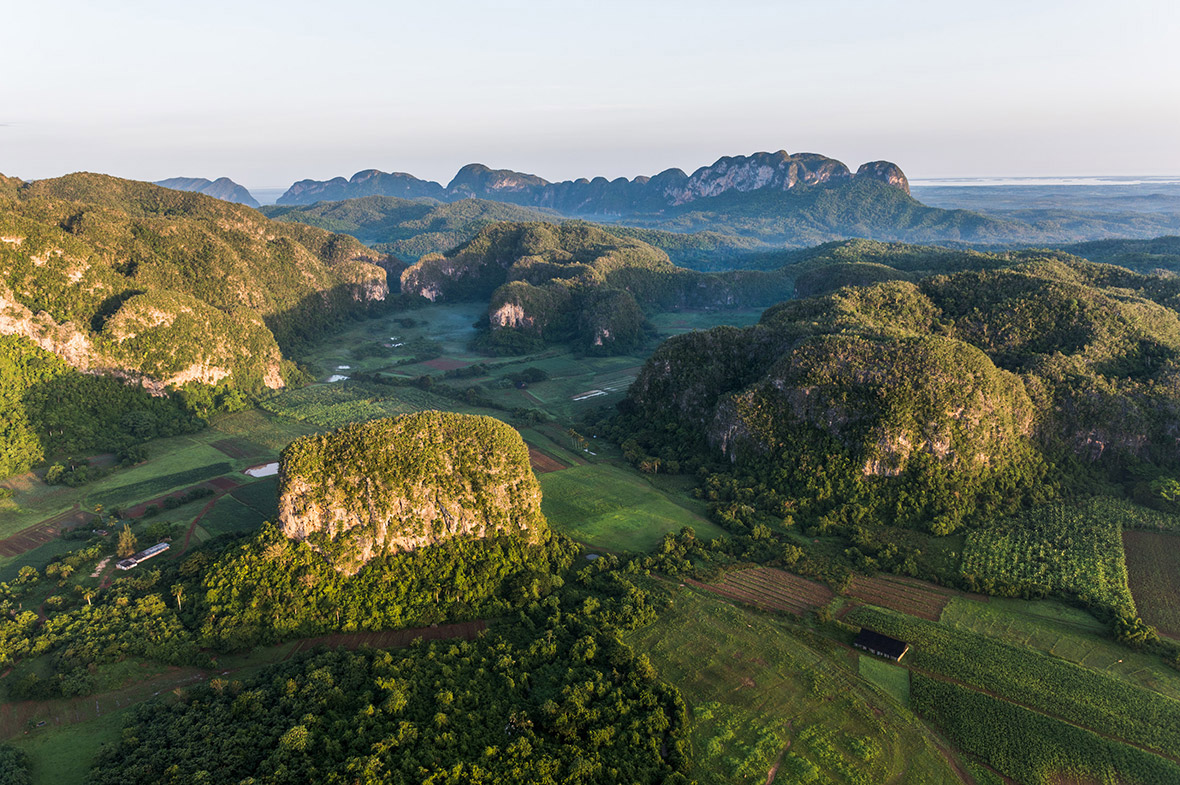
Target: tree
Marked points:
128	544
178	593
88	592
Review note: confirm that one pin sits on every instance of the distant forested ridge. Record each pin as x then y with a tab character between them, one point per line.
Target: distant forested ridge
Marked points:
1144	256
776	198
406	228
221	188
161	288
919	398
576	282
746	201
672	187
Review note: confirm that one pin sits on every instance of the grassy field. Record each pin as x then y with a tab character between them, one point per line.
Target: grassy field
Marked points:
63	755
758	692
611	507
893	679
1153	567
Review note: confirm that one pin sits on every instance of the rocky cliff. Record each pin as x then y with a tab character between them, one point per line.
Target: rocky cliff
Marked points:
779	171
399	484
222	188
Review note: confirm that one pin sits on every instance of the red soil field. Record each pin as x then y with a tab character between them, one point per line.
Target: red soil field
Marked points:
392	639
543	463
770	589
1153	572
223	483
43	532
906	595
445	364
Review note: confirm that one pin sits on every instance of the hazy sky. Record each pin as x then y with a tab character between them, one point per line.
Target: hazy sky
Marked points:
270	92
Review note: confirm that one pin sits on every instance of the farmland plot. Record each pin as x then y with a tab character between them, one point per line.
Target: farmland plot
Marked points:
770	589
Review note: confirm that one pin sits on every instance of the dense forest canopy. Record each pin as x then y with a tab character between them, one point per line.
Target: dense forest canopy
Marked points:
928	399
398	484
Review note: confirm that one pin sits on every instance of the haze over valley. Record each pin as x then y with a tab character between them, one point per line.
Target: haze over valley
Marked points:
802	407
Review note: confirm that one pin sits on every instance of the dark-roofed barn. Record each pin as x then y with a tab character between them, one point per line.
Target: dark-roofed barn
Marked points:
881	645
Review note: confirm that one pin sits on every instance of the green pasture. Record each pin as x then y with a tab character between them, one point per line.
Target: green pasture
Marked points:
757	691
611	507
172	464
64	754
893	679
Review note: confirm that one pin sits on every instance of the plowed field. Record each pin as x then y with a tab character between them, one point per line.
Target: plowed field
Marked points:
917	598
770	589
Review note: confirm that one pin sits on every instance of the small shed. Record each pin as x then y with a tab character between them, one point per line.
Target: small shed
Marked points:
881	645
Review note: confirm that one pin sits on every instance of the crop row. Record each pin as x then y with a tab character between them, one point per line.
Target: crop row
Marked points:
1075	551
771	589
1030	747
1063	689
916	600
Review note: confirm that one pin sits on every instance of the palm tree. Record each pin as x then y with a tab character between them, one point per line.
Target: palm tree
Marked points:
178	593
88	592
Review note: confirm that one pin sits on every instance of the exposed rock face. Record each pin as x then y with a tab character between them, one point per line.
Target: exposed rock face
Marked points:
780	171
599	196
222	188
399	484
886	172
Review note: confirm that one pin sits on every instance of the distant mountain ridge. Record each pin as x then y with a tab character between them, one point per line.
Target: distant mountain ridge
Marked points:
222	188
671	188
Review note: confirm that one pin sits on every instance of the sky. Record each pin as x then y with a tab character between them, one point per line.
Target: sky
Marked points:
267	93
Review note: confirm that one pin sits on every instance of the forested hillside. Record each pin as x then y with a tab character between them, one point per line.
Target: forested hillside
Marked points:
576	282
927	400
162	288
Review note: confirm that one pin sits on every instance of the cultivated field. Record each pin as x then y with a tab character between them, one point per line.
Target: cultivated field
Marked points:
917	598
543	463
1061	631
1153	567
758	695
1070	550
770	589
